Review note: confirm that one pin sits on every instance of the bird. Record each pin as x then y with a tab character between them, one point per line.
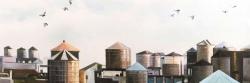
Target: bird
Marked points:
70	2
65	8
192	17
172	15
234	6
225	11
45	24
177	11
43	15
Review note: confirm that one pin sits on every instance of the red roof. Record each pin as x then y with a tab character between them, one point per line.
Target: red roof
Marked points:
65	46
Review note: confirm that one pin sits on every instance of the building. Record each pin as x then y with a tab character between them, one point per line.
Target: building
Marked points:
191	60
204	51
201	70
87	74
63	67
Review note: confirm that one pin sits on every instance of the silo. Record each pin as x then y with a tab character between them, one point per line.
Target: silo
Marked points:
173	64
118	56
221	61
136	74
7	51
144	58
223	46
170	69
155	60
246	68
21	53
201	70
33	53
204	51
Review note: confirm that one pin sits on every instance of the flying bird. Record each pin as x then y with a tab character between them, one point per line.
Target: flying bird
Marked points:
172	15
45	24
234	6
177	11
65	8
225	11
70	2
43	15
192	17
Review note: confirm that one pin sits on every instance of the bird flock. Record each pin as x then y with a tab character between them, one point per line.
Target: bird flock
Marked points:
173	14
44	14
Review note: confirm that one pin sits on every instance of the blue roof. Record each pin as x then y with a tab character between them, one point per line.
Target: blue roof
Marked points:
219	77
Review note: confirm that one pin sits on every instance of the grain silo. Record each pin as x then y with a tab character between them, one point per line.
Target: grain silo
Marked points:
204	51
144	58
136	74
21	53
221	61
201	70
118	56
155	60
33	53
8	51
223	46
63	67
173	64
246	68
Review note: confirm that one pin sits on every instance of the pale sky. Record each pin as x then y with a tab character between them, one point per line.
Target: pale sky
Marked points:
94	25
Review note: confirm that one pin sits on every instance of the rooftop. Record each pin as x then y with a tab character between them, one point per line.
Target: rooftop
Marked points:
65	46
219	77
118	45
136	67
204	42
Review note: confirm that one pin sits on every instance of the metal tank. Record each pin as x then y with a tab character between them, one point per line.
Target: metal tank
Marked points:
221	61
246	69
204	51
170	69
223	46
21	53
201	70
7	51
118	56
136	74
155	60
144	58
33	53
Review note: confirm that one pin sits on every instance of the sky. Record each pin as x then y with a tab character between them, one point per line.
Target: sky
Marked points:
94	25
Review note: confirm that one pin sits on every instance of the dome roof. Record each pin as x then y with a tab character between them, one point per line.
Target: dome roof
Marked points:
21	48
136	67
65	46
7	47
192	50
32	48
118	45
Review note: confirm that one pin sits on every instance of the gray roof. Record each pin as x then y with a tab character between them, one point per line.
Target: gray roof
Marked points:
21	48
136	67
192	50
145	52
32	48
118	45
173	54
204	42
7	47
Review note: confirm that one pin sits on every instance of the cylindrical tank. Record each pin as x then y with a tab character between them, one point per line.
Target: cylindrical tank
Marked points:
136	74
21	53
118	56
7	51
221	61
155	60
246	69
223	47
201	70
33	53
204	51
174	59
144	58
170	69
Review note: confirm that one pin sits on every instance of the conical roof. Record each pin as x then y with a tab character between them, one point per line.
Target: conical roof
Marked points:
32	48
21	48
65	46
204	42
145	52
173	54
192	50
118	45
219	77
136	67
7	47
